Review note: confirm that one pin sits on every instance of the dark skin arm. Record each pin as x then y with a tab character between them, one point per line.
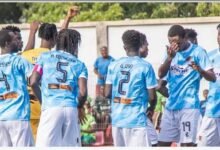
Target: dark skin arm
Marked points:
108	91
72	12
171	53
162	88
82	96
208	75
35	85
152	101
31	39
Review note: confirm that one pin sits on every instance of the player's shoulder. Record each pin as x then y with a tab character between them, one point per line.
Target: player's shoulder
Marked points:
34	52
19	59
198	49
213	52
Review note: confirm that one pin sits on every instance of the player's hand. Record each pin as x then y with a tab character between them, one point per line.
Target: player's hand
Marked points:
34	26
195	66
73	11
82	115
150	114
172	49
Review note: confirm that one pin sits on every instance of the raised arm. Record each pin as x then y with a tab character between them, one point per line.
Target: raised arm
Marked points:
72	12
31	39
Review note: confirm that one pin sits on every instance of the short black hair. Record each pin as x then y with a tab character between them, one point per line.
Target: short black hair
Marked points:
47	31
176	30
218	26
68	40
143	38
5	37
131	39
12	28
190	33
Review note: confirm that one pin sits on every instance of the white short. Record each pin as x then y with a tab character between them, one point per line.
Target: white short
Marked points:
129	136
209	132
179	126
151	133
59	126
16	133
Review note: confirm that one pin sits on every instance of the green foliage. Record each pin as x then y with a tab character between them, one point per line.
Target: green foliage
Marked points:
101	12
46	12
56	11
165	11
202	9
10	13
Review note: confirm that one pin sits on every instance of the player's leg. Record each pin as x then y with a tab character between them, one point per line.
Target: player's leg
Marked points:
117	134
208	133
135	136
20	133
49	131
5	139
151	134
189	119
169	131
71	129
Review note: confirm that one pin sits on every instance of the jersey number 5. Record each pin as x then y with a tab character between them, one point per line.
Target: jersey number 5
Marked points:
122	81
4	79
59	64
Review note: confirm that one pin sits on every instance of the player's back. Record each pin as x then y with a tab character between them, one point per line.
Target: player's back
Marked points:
130	77
61	72
14	98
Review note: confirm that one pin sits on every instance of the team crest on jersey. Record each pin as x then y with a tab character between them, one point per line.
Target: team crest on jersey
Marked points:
179	70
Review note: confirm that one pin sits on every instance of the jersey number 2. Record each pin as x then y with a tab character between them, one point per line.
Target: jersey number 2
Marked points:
122	81
59	64
4	79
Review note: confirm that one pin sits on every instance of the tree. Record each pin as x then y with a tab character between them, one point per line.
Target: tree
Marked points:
208	9
168	10
10	13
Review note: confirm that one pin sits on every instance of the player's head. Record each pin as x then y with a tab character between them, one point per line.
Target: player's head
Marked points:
143	52
17	32
205	93
218	36
176	34
191	35
48	33
131	41
104	51
68	40
8	41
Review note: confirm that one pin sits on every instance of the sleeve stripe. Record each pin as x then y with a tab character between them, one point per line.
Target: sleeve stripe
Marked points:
38	69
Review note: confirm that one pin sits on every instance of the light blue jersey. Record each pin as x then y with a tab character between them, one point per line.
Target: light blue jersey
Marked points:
59	81
101	64
213	102
183	80
130	78
14	97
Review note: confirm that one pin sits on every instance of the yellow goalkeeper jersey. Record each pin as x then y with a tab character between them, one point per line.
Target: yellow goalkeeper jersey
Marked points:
31	56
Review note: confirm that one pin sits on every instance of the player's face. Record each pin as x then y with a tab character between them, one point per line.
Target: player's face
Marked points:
178	40
20	42
104	52
13	45
218	36
144	50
